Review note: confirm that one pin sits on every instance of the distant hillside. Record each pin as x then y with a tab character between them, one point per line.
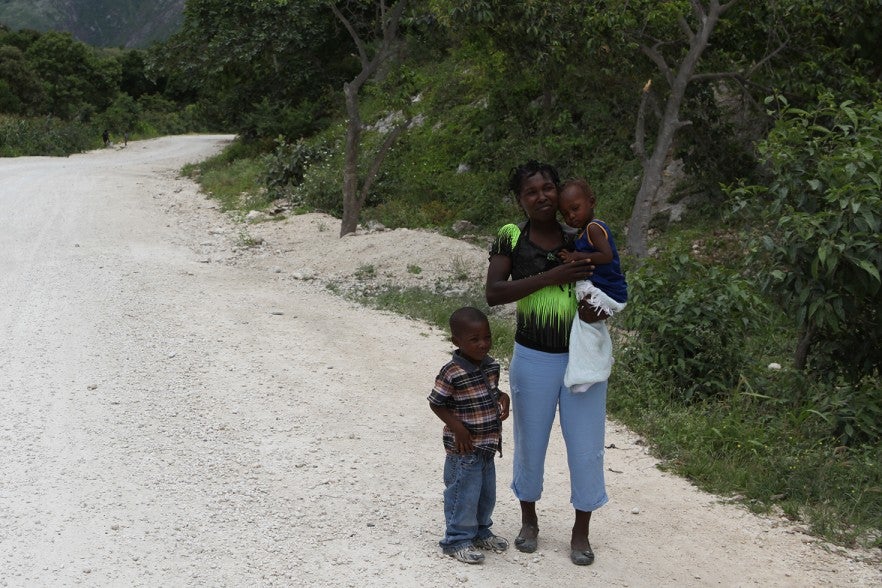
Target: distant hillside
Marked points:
102	23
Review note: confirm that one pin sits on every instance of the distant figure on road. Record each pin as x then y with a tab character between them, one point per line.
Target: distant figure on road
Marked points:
106	136
126	139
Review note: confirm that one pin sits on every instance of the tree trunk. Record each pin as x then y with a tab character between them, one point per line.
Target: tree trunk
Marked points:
670	123
353	198
806	338
351	204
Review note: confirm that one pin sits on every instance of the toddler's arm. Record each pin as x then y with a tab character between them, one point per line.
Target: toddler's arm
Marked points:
461	435
601	243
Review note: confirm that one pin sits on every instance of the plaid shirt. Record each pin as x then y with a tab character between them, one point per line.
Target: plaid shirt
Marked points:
472	393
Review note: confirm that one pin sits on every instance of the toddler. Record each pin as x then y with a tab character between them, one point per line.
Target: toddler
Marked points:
606	290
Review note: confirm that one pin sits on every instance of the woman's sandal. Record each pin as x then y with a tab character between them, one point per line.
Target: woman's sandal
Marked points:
583	557
528	539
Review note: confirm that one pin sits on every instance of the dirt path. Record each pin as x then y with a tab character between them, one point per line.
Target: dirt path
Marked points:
180	410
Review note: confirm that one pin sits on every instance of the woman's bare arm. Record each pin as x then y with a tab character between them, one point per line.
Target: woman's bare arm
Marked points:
499	289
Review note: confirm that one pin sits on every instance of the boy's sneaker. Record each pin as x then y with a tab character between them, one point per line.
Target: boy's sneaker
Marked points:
493	543
468	554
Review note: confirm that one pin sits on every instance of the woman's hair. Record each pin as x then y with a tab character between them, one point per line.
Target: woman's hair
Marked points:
518	175
581	184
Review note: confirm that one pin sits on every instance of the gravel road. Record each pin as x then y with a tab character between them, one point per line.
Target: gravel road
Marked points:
181	411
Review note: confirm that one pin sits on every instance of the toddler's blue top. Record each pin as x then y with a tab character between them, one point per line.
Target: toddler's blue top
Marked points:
608	276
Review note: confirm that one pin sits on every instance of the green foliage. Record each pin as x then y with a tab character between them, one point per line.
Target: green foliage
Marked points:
853	412
823	247
123	115
688	323
285	168
233	176
55	76
45	136
258	68
76	80
321	185
755	446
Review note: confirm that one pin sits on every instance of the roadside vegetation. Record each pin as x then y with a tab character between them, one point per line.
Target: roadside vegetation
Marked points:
750	352
58	95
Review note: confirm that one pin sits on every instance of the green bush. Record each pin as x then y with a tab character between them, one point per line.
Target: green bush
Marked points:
322	185
285	168
688	325
45	136
820	254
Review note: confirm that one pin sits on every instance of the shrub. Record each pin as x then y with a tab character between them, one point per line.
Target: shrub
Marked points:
823	246
285	168
45	136
689	323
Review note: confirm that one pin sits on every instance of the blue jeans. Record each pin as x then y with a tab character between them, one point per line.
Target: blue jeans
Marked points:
537	392
469	498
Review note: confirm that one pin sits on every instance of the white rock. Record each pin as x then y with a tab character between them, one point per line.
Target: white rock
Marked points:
774	366
254	216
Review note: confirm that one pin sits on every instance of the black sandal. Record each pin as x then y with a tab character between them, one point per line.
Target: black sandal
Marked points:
526	544
582	558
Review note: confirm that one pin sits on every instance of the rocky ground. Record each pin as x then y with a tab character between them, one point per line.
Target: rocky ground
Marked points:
186	403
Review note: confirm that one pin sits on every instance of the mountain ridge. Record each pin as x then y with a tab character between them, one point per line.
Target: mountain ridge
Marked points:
101	23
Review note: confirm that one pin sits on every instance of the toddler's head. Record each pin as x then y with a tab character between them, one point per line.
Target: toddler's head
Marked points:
470	332
576	203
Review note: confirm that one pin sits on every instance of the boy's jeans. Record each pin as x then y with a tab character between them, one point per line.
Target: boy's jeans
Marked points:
469	498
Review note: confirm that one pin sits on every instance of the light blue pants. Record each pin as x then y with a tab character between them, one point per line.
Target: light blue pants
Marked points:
537	391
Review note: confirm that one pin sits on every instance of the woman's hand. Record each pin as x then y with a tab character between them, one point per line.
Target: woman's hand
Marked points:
567	273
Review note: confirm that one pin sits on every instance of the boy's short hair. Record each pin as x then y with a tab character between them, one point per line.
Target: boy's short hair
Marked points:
581	184
467	315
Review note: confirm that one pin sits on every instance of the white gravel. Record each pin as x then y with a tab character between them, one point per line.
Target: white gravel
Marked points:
181	410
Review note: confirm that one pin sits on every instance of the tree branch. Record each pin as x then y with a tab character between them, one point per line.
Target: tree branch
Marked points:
698	11
359	44
741	76
382	151
728	5
656	57
638	147
687	30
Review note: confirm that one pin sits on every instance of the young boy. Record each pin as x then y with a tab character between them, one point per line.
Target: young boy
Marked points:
606	291
467	398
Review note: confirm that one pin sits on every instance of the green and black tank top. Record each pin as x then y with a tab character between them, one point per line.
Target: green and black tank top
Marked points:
545	316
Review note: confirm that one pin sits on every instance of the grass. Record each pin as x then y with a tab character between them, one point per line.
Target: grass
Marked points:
771	456
233	177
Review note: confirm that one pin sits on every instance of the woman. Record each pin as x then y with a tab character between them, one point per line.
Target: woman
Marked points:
525	268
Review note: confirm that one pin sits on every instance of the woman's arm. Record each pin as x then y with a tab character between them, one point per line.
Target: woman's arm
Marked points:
500	290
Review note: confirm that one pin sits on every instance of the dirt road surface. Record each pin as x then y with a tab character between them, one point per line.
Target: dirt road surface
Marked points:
185	403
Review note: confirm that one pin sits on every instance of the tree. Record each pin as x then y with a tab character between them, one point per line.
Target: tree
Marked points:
22	91
76	82
354	191
253	65
677	73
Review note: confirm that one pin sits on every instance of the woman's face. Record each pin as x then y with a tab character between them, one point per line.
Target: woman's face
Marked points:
538	197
